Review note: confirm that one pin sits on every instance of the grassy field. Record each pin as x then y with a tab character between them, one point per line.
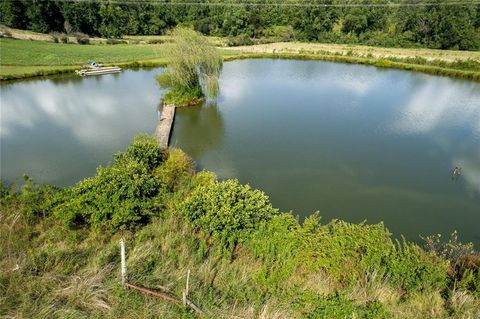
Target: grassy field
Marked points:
361	51
28	58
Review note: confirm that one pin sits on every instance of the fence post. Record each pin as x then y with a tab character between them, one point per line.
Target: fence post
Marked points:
188	280
185	292
124	265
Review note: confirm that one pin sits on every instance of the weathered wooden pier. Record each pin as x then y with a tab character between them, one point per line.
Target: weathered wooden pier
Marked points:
165	125
99	70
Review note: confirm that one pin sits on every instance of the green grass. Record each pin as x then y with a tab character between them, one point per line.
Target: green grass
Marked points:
27	53
26	58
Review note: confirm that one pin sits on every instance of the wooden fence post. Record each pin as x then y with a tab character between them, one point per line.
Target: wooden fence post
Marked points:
124	265
185	292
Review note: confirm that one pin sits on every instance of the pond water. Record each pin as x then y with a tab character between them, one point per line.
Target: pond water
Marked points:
354	142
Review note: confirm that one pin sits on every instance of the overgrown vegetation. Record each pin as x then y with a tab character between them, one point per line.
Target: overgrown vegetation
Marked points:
193	69
59	252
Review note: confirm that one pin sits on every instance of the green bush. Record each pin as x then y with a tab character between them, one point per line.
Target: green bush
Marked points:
227	210
116	41
280	33
176	170
183	96
411	268
276	243
464	261
144	149
239	40
313	306
121	195
82	38
35	198
346	251
59	37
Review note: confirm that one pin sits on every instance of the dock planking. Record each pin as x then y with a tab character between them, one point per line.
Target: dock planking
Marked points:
164	127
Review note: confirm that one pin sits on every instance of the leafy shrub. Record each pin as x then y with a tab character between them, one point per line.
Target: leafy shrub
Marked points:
121	195
239	40
82	38
35	198
144	149
59	37
313	306
470	278
5	34
227	210
156	41
464	261
116	41
346	251
176	170
280	33
276	243
4	191
412	268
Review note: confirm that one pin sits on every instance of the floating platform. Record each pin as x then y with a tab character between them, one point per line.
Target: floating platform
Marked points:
99	70
164	127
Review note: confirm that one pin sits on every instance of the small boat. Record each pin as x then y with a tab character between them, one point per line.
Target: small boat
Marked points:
99	70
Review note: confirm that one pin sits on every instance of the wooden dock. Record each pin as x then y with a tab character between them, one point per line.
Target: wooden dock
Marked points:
99	70
165	125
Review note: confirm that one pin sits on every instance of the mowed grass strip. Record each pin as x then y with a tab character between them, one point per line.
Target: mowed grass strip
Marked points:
40	53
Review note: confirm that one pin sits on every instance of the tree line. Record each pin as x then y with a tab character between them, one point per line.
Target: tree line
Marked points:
441	24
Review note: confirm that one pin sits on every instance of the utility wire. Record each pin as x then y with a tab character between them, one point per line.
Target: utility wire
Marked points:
261	4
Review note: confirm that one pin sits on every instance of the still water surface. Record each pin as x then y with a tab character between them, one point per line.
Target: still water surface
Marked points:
354	142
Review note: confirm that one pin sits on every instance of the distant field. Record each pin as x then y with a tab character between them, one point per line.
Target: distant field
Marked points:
361	51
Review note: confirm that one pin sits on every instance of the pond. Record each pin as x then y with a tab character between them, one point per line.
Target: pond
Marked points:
353	142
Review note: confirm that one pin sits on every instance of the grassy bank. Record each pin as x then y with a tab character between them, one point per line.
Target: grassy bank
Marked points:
59	252
25	58
455	69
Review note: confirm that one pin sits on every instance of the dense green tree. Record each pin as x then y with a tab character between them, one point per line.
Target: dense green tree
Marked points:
456	28
81	16
439	24
44	16
355	22
13	13
114	20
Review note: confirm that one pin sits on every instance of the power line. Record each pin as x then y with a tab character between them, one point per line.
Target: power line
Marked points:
262	4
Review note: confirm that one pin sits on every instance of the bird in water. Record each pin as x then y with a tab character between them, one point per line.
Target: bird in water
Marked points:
457	171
